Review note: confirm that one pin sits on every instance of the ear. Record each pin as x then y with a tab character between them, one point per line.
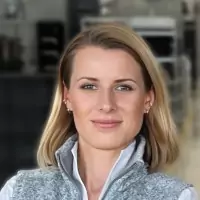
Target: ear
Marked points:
66	97
149	100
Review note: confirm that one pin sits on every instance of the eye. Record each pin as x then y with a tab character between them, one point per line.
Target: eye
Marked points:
88	87
124	88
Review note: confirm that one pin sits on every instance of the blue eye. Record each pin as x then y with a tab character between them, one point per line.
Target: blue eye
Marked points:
124	88
89	87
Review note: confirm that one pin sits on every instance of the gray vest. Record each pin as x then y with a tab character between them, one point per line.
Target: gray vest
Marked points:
133	184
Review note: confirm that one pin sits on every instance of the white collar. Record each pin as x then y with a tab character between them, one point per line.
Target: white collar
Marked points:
127	158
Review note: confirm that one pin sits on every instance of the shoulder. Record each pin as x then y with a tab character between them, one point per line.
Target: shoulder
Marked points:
189	194
7	190
39	173
27	179
165	178
161	180
42	177
165	184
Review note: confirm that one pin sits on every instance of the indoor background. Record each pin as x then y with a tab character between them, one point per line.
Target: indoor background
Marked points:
33	34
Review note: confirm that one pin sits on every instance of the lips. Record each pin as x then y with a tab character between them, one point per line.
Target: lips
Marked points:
106	123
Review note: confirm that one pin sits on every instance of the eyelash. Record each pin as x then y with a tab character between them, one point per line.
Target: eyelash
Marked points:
87	86
126	87
91	87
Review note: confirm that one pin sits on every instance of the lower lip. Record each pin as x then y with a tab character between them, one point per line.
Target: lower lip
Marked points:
106	125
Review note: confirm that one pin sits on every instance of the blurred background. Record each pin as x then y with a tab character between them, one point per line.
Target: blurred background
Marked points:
33	34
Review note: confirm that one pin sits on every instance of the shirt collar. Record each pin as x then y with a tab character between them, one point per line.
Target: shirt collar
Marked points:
124	160
129	155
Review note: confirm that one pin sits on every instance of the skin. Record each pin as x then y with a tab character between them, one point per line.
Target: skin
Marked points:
108	99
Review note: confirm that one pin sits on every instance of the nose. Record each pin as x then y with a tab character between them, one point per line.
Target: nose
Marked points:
106	101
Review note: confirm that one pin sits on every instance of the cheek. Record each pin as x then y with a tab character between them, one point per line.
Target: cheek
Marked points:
81	103
132	103
132	108
133	114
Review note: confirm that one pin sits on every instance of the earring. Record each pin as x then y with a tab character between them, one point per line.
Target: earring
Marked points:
68	110
64	101
147	110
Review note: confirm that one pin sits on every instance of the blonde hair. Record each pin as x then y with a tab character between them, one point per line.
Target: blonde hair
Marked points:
160	132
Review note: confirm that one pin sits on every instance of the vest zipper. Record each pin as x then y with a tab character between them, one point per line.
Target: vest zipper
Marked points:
70	179
114	180
74	184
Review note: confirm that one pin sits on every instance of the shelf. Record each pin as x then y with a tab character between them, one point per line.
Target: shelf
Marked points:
14	22
153	22
156	33
166	59
189	18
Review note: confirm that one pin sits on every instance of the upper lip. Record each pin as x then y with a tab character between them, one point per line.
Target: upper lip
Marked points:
106	121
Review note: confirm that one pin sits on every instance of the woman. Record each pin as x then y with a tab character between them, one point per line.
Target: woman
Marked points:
110	129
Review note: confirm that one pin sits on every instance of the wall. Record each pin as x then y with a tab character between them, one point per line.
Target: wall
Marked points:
41	9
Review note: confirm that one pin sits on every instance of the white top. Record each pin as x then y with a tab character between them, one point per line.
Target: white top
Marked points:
124	159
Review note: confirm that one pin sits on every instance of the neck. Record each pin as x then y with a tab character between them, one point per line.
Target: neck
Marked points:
95	166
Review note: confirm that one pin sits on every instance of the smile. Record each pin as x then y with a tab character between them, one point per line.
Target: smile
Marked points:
106	123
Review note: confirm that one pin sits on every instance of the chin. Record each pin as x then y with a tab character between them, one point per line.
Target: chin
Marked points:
107	139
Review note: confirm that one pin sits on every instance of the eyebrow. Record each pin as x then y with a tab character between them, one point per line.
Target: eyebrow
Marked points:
116	81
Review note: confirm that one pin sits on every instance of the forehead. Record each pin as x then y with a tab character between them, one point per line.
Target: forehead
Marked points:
101	62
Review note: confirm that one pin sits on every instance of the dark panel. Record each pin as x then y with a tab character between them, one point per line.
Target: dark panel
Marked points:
76	9
24	105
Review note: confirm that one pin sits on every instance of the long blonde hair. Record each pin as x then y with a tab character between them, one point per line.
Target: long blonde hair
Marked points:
160	133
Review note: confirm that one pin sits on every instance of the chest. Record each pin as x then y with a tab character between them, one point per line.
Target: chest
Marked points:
127	188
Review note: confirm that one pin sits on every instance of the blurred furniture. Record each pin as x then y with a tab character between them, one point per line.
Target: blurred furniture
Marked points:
76	10
20	34
10	54
190	46
14	9
50	44
161	35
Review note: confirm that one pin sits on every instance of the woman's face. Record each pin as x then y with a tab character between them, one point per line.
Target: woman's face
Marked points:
107	97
